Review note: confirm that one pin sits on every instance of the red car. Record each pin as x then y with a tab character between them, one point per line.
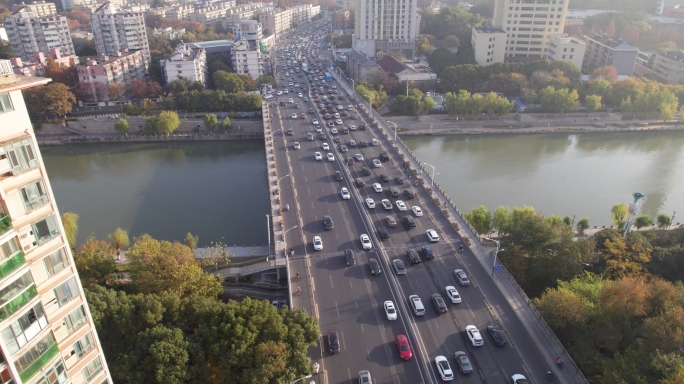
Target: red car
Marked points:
303	115
403	347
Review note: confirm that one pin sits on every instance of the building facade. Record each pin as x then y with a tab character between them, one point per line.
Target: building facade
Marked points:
39	8
603	50
187	62
669	67
489	45
181	12
211	14
242	12
120	68
360	67
119	31
529	25
46	327
566	48
29	33
246	58
383	27
36	66
247	30
277	20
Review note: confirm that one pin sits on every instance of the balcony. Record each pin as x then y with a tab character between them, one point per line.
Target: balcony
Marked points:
18	302
40	363
5	223
11	264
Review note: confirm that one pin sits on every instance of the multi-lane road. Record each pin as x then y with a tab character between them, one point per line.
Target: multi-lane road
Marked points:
349	299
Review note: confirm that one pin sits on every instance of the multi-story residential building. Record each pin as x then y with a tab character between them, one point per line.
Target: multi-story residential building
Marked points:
349	5
212	13
340	19
119	31
489	45
136	7
121	68
603	50
247	30
187	62
246	58
566	48
242	12
384	27
277	20
92	5
39	8
46	327
360	67
36	66
669	67
529	25
644	62
169	33
181	12
29	33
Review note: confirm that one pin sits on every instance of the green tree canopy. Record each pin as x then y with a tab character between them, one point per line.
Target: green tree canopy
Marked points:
592	102
119	239
70	223
121	125
168	122
229	82
558	101
95	263
618	214
480	218
210	121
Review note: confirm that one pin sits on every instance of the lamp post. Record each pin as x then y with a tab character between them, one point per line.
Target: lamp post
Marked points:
496	252
302	378
283	178
432	183
395	128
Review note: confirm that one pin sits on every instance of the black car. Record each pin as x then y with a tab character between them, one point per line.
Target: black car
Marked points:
366	171
383	178
349	258
374	267
399	179
497	335
359	182
383	234
394	191
384	157
409	193
362	127
333	342
363	144
428	252
328	222
413	256
338	176
439	303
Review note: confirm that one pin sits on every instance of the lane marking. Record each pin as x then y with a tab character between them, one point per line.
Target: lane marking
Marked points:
337	309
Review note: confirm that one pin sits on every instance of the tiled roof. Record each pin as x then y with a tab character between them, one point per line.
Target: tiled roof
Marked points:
391	65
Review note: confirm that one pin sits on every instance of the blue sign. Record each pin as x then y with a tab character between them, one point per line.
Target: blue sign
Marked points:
498	267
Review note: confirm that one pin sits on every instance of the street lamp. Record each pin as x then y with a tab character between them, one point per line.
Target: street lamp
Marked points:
302	378
283	178
496	252
432	183
395	128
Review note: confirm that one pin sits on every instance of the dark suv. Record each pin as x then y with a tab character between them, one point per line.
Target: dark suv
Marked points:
328	222
409	222
338	176
497	335
384	157
394	191
413	256
428	252
409	193
374	267
439	303
349	258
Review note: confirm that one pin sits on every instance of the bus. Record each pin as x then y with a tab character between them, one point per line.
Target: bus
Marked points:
305	68
328	77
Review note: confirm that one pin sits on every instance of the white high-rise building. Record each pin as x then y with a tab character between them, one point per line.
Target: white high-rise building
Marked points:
187	62
116	32
29	33
529	25
385	26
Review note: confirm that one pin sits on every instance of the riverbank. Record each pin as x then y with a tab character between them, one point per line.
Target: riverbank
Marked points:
45	140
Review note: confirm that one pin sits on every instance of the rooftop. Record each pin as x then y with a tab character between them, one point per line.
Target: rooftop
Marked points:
488	29
565	38
213	43
14	82
615	43
391	65
677	56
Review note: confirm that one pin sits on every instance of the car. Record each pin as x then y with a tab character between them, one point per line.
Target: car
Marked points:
303	116
439	303
337	139
383	178
333	342
374	267
343	148
399	267
331	157
413	256
300	94
370	203
384	157
377	187
296	145
352	127
359	182
366	171
326	147
349	258
386	204
497	334
391	221
417	211
519	379
403	347
331	124
335	114
463	362
401	205
358	157
427	252
432	235
322	136
383	234
315	121
376	163
345	193
333	131
365	377
417	305
318	156
390	310
352	143
399	179
474	335
366	242
328	222
408	192
338	122
309	136
453	294
461	277
444	368
317	243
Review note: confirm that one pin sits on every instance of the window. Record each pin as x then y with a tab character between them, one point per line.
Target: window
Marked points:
46	229
5	103
92	369
55	375
67	291
33	354
570	57
34	195
21	156
9	248
24	329
84	345
56	262
75	319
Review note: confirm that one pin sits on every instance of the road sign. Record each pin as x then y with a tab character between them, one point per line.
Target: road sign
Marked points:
499	266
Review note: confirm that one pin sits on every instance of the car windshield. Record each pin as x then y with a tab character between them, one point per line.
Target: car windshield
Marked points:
404	347
444	365
390	310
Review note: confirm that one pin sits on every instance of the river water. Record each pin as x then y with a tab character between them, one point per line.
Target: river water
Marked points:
219	190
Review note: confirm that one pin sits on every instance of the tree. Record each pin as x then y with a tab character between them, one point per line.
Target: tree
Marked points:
458	104
608	73
138	88
630	34
191	240
480	218
214	255
592	102
601	87
70	223
583	225
53	98
502	218
121	125
663	220
210	121
119	239
229	82
643	221
266	79
168	122
558	101
451	42
440	59
95	263
618	214
226	124
116	91
610	29
562	307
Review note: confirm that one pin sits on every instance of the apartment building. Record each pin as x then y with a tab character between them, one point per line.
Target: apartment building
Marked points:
36	66
246	58
529	25
181	12
39	8
384	27
187	62
169	33
247	30
277	20
121	68
29	33
603	50
360	67
212	13
92	5
566	48
669	67
242	12
47	331
119	31
489	45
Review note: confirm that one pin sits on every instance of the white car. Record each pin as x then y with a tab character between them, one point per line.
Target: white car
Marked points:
444	368
279	93
294	115
326	147
345	193
333	131
336	115
377	163
432	235
390	310
366	242
338	122
318	156
331	157
315	121
296	145
400	204
417	211
370	203
386	204
453	294
286	91
299	94
474	335
377	187
519	379
319	129
318	243
352	127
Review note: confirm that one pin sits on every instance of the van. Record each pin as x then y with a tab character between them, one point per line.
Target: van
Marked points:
409	222
417	305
